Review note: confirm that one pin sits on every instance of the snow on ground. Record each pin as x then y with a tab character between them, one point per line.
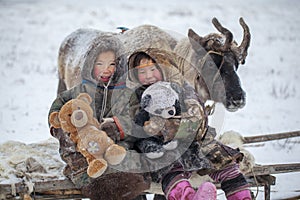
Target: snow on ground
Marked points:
39	161
31	32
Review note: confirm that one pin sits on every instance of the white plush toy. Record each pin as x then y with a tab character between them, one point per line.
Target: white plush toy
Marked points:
161	102
160	99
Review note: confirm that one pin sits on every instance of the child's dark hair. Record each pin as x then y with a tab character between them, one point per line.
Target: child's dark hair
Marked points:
137	60
139	57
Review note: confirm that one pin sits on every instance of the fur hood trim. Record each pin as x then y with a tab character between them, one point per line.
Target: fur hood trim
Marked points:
105	42
166	61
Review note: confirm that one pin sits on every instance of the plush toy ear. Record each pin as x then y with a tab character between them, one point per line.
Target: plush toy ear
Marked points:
54	120
177	107
145	102
85	97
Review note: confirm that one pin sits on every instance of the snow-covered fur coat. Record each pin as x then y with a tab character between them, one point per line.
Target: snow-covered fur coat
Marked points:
105	105
206	155
147	36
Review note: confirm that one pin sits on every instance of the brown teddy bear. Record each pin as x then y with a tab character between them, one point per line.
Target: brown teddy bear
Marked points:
76	117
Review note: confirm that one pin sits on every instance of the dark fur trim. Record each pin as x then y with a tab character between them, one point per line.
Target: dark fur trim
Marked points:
115	186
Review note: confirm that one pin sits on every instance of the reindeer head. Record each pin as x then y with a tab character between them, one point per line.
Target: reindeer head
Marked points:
218	58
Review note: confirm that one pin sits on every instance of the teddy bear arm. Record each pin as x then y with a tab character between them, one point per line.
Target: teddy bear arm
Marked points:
74	137
95	122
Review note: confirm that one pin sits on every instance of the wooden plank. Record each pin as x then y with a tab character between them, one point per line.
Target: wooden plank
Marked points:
54	185
275	169
63	193
266	181
293	198
39	186
55	197
269	137
65	189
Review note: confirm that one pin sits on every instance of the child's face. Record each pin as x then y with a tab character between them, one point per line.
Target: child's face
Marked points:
105	66
149	74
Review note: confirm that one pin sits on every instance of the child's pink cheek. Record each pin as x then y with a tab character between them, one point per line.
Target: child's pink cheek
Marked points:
96	72
141	79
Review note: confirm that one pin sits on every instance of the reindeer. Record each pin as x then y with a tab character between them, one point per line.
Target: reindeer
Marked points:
210	64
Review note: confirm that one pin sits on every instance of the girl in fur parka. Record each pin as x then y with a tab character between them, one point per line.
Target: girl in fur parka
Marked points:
149	66
104	66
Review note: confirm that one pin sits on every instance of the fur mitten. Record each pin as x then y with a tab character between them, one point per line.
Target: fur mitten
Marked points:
111	129
115	186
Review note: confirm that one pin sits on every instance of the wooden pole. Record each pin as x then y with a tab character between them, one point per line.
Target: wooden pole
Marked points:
275	169
269	137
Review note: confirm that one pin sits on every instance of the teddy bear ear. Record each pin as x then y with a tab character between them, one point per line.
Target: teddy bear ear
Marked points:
145	102
54	120
85	97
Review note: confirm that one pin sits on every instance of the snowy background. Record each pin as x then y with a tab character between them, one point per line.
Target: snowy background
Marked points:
31	32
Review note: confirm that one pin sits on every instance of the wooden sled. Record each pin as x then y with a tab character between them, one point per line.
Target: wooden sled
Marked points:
261	176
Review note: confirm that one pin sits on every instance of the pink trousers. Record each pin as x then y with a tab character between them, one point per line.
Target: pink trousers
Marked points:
184	191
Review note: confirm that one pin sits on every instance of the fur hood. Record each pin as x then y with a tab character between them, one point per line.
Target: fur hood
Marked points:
105	42
165	60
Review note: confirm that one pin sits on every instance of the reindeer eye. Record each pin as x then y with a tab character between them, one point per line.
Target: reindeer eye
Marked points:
78	108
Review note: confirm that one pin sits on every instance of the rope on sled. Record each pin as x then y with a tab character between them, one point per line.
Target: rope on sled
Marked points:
13	189
30	187
27	184
256	183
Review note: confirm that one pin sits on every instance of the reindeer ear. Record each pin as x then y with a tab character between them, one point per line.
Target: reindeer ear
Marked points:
85	97
145	102
192	34
54	120
196	41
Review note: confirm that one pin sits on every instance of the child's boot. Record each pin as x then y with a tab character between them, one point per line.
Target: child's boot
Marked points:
240	195
233	183
206	191
184	191
177	187
181	191
175	184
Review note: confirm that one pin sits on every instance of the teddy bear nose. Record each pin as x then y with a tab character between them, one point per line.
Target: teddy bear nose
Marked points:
78	115
79	118
171	112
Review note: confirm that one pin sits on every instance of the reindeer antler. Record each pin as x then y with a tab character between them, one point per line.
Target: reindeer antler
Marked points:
211	41
226	32
240	51
243	48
